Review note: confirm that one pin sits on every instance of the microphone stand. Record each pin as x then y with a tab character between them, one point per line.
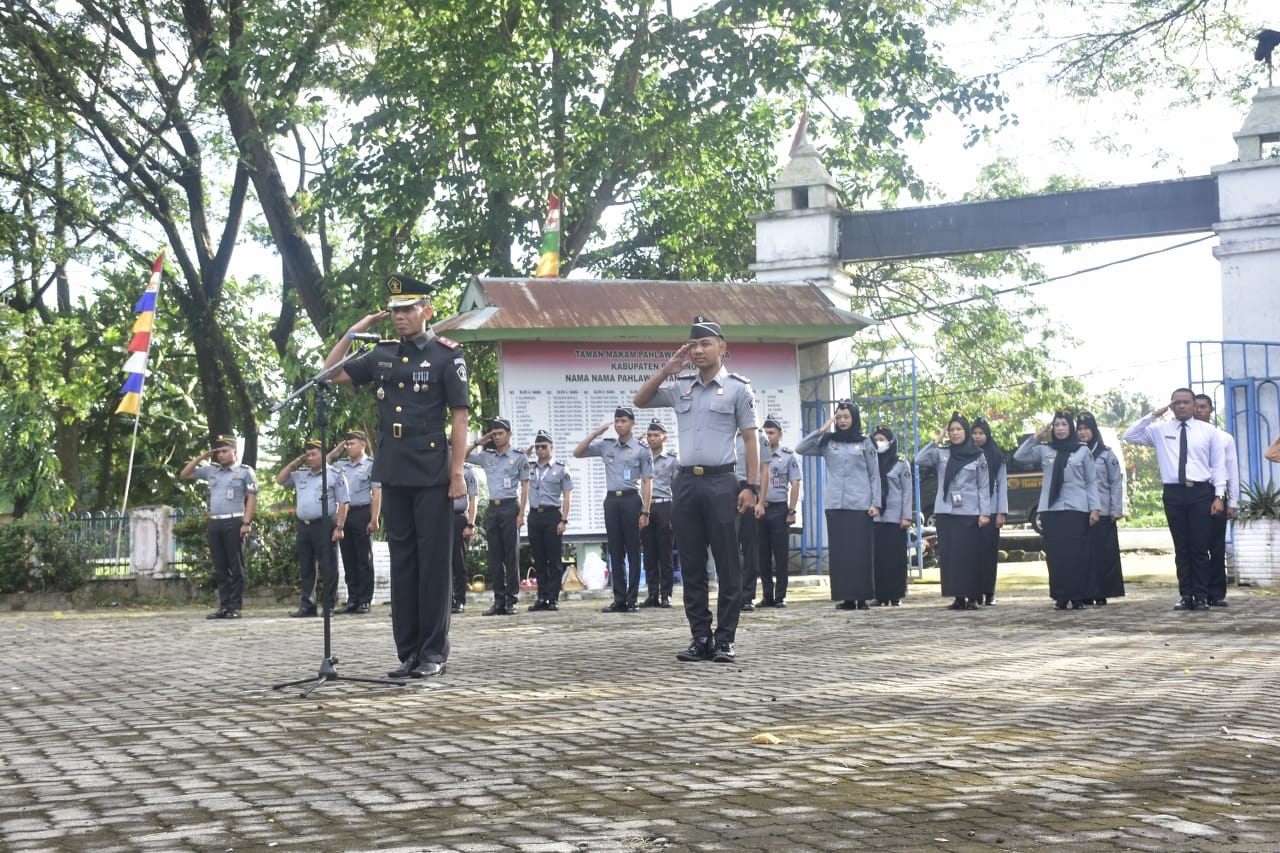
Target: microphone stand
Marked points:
329	663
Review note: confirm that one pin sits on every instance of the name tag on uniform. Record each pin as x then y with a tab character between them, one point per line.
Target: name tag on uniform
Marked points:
231	494
506	482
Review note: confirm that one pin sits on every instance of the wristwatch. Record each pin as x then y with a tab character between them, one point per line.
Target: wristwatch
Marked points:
754	487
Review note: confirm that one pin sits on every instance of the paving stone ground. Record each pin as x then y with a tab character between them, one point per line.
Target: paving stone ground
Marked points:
1128	727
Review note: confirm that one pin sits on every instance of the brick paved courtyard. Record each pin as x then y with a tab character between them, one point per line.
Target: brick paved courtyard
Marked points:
1016	727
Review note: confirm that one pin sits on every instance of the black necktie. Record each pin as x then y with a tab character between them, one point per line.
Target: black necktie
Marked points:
1182	453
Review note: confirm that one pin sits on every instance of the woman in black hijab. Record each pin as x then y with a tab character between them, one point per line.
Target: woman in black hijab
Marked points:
999	488
1106	577
896	500
963	506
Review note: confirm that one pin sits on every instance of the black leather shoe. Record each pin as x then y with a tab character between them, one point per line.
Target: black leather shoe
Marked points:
748	607
847	605
510	610
616	607
766	602
1102	602
220	613
862	604
427	669
988	600
1217	602
495	610
361	609
350	607
699	649
895	602
303	612
1185	603
971	604
458	608
1199	604
632	608
665	602
649	602
723	652
1079	605
537	605
781	602
405	670
551	605
231	614
958	604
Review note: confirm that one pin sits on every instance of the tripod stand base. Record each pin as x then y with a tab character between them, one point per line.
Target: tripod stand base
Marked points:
329	672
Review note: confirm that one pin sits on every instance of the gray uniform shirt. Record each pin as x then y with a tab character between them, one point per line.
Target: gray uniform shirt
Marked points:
359	479
784	469
970	492
740	453
900	497
548	483
1001	497
473	488
307	483
1110	483
664	469
228	487
708	414
1079	480
624	464
853	472
503	472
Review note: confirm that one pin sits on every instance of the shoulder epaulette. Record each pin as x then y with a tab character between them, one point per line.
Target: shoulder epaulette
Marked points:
449	342
687	374
740	377
782	449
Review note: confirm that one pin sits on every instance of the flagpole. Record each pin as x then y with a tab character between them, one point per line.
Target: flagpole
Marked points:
153	289
128	477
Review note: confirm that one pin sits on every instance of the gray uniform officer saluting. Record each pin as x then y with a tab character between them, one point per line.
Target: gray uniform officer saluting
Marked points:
416	377
711	405
233	496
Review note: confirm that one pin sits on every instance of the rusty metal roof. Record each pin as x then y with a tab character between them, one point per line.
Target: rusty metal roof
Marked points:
505	309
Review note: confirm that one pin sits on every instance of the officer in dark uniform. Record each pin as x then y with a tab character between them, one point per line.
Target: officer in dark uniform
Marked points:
656	537
233	497
550	499
318	534
417	377
362	519
711	405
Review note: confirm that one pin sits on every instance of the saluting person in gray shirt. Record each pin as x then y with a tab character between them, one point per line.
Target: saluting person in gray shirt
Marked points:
962	507
233	497
362	519
320	487
897	497
506	472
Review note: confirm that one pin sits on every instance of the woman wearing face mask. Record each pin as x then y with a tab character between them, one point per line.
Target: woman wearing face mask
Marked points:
1105	573
1068	507
961	509
999	489
891	525
851	500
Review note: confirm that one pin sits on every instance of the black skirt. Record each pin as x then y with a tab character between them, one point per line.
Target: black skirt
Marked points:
851	539
1105	573
989	536
890	561
960	555
1066	550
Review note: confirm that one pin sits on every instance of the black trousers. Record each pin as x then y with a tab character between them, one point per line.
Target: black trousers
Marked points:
1218	555
772	537
658	540
459	559
317	553
544	542
504	551
357	554
622	527
747	548
227	547
1187	510
704	515
419	525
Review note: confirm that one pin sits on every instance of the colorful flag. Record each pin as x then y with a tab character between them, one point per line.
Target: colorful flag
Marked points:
135	368
549	261
801	136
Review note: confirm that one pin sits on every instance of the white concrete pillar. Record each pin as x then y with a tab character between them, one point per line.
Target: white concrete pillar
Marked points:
150	539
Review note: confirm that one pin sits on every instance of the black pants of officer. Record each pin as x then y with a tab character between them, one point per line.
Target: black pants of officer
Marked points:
748	557
1187	510
544	542
227	547
459	560
657	541
1218	556
504	551
419	528
704	515
773	538
317	553
622	527
357	555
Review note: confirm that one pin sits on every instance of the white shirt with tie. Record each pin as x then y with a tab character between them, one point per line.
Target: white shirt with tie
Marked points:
1204	450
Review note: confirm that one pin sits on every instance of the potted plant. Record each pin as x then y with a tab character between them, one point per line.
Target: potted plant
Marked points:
1256	542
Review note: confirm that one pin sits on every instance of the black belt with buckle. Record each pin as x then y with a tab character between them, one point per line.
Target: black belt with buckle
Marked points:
660	501
546	509
310	521
704	470
1191	484
618	493
407	431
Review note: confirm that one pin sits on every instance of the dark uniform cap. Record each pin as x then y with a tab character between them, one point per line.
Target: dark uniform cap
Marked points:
224	440
657	425
772	422
544	437
403	291
358	433
313	442
704	328
499	423
624	412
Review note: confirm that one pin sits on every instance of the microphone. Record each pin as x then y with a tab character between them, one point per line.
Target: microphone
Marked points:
367	337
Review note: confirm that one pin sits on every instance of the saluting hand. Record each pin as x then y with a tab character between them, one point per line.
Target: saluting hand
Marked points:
1160	411
677	362
1044	432
366	322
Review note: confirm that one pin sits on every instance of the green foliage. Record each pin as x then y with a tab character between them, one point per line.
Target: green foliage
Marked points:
1259	502
272	550
40	556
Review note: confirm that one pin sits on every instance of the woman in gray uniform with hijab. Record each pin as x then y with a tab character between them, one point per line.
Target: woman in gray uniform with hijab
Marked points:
963	506
999	478
1068	507
896	494
1105	573
851	500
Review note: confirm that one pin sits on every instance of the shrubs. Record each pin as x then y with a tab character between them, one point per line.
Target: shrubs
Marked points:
271	554
41	556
